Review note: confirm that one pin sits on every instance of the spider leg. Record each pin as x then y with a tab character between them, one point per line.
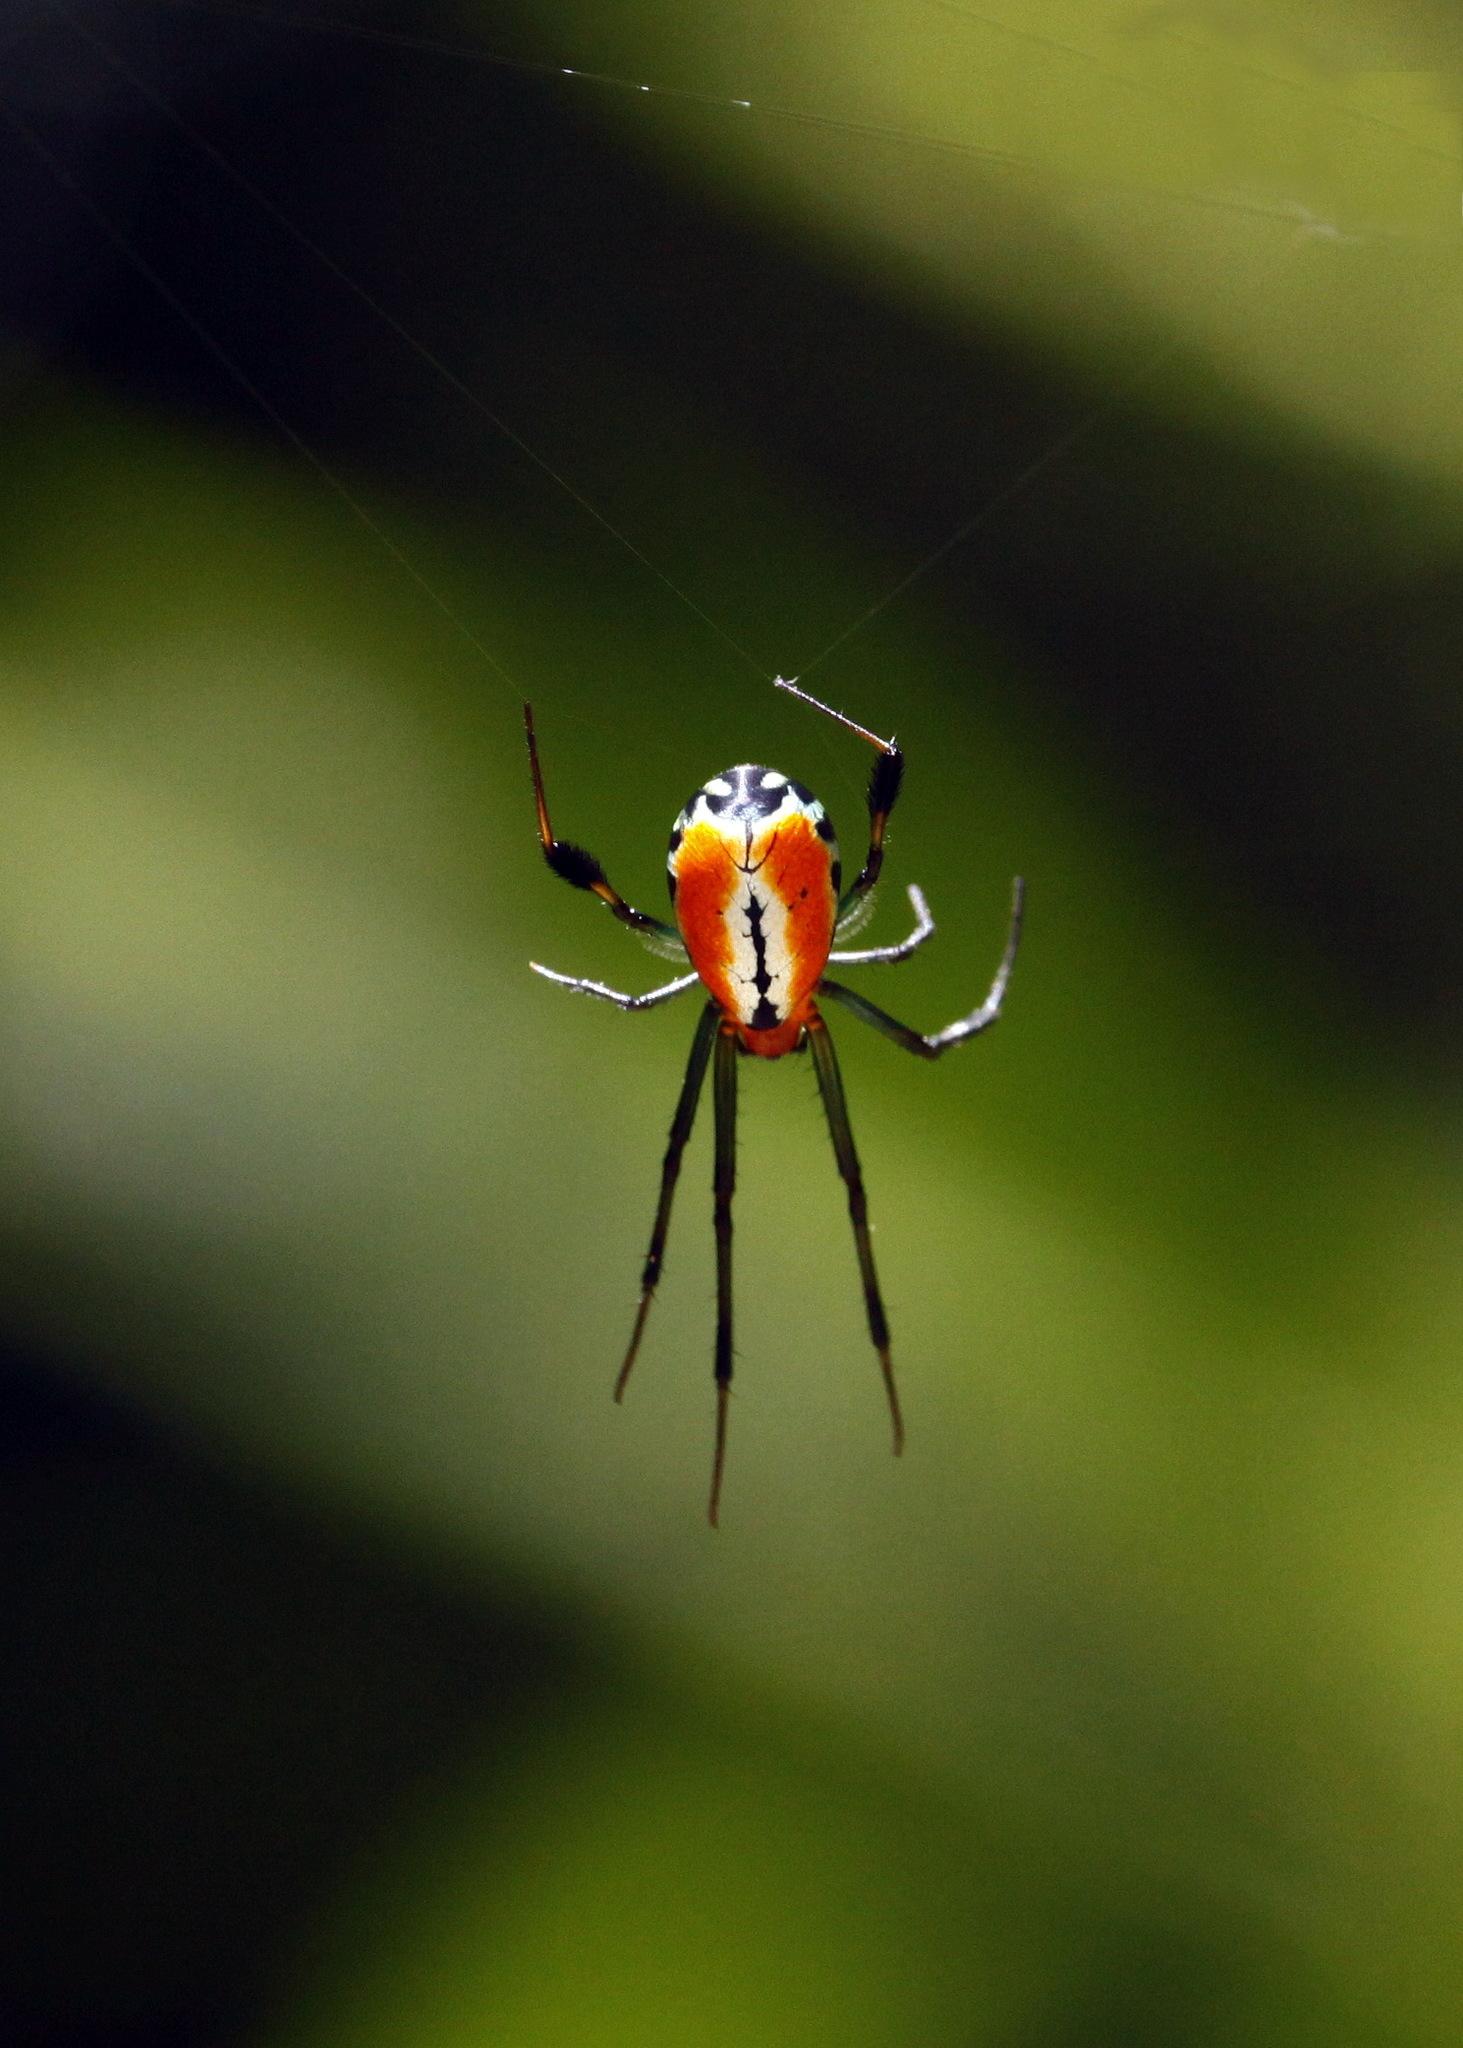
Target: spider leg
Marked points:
648	1001
885	956
681	1124
884	781
830	1083
572	864
929	1045
724	1085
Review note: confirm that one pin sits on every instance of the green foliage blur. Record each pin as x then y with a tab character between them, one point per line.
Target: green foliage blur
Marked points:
408	1694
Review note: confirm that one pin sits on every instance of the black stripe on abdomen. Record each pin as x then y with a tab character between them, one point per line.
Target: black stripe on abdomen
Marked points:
764	1016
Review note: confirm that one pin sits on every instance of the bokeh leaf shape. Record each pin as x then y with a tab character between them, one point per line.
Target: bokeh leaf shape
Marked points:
1274	190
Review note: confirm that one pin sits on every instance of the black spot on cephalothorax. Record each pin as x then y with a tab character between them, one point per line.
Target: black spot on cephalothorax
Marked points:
746	793
824	827
835	875
801	791
677	835
759	796
715	800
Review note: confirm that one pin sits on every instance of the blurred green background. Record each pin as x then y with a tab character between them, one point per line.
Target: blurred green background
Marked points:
371	1678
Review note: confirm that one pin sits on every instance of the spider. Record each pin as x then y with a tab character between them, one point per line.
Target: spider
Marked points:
755	880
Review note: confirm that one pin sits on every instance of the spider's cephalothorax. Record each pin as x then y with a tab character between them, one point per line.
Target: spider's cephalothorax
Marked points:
754	876
755	880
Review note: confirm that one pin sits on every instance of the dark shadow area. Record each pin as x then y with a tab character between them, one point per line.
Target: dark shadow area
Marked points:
210	1706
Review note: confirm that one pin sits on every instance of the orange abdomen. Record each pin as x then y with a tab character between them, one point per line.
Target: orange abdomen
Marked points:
754	873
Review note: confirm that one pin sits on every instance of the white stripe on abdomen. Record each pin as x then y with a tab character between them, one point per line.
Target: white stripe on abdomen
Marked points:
756	921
